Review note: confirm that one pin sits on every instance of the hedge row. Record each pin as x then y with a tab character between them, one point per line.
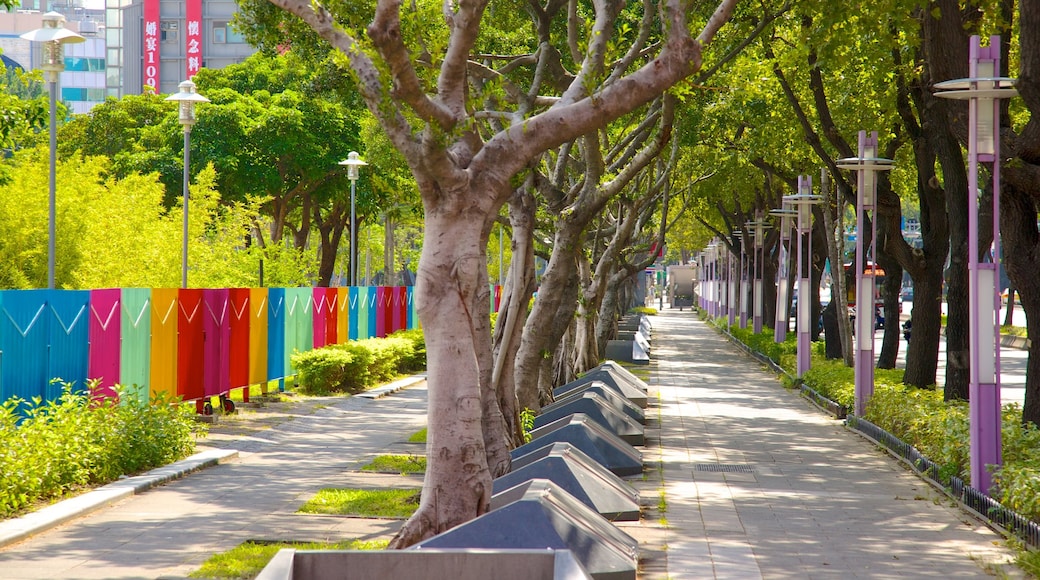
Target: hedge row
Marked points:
939	429
361	364
49	449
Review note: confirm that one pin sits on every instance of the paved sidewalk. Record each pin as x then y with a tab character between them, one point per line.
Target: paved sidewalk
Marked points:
757	482
760	484
169	531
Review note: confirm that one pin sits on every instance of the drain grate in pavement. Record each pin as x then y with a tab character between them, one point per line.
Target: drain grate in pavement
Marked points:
723	467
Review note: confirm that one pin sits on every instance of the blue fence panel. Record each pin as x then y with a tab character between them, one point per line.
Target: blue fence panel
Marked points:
355	312
69	329
275	333
23	342
373	311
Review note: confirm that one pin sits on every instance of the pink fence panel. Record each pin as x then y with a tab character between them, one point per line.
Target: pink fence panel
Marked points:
105	338
216	328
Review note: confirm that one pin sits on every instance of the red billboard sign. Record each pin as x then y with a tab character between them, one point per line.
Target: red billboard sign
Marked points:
151	44
193	36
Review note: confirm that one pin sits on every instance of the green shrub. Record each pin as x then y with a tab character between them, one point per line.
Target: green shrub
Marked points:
416	360
48	449
644	310
359	365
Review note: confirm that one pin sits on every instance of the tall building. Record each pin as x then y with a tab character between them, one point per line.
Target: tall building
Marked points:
82	84
159	43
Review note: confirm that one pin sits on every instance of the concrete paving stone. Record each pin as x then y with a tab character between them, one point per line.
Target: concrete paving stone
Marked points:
819	501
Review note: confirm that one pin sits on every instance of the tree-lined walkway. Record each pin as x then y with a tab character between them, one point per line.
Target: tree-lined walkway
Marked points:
760	484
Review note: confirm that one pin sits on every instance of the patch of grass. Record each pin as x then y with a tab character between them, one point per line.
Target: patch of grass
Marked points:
370	503
418	436
402	464
247	559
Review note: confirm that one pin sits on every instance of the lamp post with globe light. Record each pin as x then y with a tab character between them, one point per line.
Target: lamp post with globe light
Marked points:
353	163
866	166
983	91
186	98
53	36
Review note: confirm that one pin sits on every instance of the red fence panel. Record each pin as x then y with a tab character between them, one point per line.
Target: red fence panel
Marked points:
239	313
191	339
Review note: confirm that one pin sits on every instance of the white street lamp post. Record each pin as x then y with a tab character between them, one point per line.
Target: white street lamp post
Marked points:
353	163
983	90
803	202
866	166
186	97
786	215
54	37
757	227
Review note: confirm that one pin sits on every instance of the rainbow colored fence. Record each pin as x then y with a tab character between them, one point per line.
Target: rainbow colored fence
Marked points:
191	343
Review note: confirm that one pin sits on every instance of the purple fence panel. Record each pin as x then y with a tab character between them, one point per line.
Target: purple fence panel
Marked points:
216	328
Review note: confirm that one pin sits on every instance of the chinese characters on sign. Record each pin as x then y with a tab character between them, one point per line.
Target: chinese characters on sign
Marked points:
193	37
151	44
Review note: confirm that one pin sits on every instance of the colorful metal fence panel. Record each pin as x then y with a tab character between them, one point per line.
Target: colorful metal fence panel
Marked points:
299	324
320	317
354	312
136	347
258	336
191	353
239	349
69	341
275	333
216	342
105	334
331	316
187	343
164	356
413	313
373	305
400	309
23	342
384	300
343	317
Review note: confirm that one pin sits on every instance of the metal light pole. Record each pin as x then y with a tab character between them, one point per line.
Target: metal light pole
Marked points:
187	98
732	283
802	203
757	228
353	163
54	37
866	166
983	90
742	288
785	214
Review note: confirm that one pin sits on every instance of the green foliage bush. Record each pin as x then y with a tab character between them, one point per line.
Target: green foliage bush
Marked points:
48	449
644	310
358	365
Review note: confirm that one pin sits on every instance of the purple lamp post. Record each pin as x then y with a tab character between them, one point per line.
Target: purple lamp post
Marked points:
757	229
716	282
866	166
743	289
983	91
702	276
732	285
785	215
802	203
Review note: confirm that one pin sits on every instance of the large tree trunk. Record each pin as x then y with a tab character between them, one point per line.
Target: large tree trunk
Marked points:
458	488
516	294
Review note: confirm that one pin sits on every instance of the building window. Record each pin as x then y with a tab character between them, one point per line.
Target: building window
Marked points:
80	94
168	31
223	33
84	64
